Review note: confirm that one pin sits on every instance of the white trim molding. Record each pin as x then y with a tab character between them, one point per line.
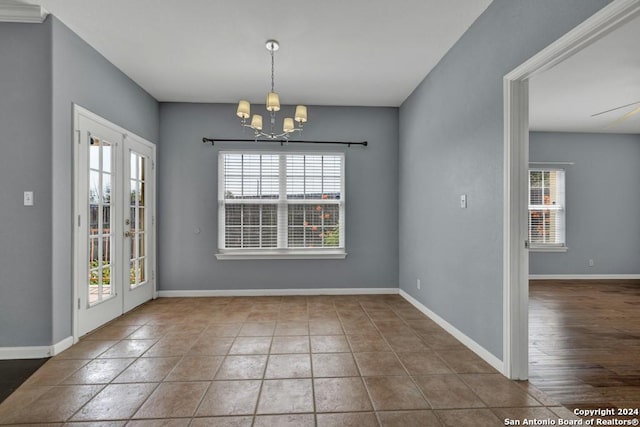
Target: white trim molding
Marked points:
460	336
516	148
274	292
13	11
584	277
35	352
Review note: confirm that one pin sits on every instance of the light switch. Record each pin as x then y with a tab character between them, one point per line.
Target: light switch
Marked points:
28	198
463	201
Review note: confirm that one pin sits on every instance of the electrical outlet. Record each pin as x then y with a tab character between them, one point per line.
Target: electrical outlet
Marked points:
463	201
418	283
591	263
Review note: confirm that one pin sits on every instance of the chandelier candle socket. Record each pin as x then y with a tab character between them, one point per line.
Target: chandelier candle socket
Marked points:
272	106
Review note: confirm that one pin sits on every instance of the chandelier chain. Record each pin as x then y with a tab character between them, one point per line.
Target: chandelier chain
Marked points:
272	71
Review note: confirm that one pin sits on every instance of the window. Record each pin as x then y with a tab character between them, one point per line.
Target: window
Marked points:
281	205
546	209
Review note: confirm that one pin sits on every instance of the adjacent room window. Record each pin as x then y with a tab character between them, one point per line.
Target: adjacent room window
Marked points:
288	205
547	209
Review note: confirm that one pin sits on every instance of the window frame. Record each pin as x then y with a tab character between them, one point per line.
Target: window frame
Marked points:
282	204
547	247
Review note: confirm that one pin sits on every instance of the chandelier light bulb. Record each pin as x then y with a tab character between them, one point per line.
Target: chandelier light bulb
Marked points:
301	114
273	102
287	127
244	109
256	122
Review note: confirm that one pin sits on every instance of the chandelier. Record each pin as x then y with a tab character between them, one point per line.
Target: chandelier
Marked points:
273	105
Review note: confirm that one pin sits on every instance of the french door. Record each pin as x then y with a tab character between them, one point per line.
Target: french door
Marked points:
114	256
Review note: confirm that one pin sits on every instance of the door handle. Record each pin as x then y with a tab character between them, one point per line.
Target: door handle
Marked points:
128	233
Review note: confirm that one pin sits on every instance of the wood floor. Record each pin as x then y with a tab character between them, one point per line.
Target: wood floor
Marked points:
584	342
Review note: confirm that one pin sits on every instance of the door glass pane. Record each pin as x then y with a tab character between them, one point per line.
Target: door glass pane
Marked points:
137	214
99	287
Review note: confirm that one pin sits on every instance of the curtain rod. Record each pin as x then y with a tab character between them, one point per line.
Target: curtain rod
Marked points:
284	141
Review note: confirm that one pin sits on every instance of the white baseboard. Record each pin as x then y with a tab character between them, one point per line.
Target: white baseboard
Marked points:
275	292
35	352
584	276
464	339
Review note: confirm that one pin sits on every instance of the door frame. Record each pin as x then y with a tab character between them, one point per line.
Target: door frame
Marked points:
516	166
79	111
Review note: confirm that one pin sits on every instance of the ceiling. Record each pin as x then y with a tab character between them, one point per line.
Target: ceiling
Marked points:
603	76
333	52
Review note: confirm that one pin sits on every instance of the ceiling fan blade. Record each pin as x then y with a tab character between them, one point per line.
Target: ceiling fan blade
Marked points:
614	109
624	117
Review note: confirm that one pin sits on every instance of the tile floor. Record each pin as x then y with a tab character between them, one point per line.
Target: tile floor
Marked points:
361	361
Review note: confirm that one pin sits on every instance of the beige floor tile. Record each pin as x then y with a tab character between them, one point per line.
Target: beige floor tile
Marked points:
128	348
242	367
423	363
251	345
222	329
353	419
85	349
464	361
54	371
290	420
286	396
290	344
99	371
211	346
152	369
408	418
441	340
222	422
115	402
173	400
55	405
87	424
394	393
195	368
151	332
468	418
172	345
291	328
447	392
112	332
334	365
497	391
368	343
288	366
329	344
257	329
405	343
341	395
325	327
166	422
379	364
230	398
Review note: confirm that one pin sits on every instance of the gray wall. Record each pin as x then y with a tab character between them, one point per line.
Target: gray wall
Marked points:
451	142
45	68
25	164
187	179
602	200
82	76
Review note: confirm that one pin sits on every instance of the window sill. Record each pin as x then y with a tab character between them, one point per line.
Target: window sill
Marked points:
249	255
548	249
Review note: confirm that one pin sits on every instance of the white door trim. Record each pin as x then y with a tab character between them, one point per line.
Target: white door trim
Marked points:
516	150
78	112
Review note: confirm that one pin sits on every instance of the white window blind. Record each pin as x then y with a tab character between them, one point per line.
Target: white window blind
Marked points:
281	202
547	208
